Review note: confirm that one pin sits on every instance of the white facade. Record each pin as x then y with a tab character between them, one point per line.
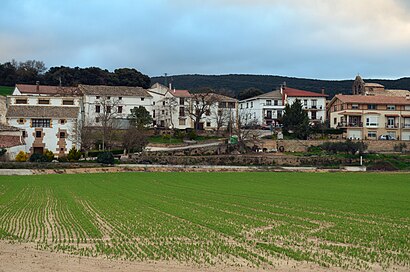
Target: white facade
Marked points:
263	110
314	106
46	122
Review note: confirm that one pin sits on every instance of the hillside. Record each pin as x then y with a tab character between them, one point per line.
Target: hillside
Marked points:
267	83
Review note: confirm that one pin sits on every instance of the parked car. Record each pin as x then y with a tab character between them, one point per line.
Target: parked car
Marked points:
386	137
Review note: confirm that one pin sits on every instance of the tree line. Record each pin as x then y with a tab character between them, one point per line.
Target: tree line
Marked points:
31	71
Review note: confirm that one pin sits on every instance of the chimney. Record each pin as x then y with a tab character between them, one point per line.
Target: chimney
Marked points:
37	86
170	86
323	91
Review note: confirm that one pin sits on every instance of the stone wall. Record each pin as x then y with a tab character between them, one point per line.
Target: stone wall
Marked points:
302	146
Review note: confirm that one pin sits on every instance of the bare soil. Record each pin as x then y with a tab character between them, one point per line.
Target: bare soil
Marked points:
16	256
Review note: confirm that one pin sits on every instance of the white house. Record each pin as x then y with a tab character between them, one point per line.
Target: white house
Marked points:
221	113
113	101
11	140
170	107
264	110
46	115
313	103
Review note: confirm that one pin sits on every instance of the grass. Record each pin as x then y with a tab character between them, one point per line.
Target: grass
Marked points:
347	220
6	90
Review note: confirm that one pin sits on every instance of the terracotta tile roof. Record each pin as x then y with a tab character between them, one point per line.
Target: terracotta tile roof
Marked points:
377	99
104	90
180	93
10	140
377	85
4	127
49	90
224	98
300	93
42	112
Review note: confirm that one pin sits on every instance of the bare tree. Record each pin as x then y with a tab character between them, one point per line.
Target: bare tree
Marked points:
247	130
107	119
223	117
201	104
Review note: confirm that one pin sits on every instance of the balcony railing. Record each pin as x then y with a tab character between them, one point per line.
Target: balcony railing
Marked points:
350	124
392	125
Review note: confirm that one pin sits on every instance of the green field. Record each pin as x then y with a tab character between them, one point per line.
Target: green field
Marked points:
353	221
6	90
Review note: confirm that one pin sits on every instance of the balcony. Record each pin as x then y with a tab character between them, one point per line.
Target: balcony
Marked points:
405	125
392	126
350	125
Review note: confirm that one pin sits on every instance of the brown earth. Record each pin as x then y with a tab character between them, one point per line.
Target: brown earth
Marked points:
24	257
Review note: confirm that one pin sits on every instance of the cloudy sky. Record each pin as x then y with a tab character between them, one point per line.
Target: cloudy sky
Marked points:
326	39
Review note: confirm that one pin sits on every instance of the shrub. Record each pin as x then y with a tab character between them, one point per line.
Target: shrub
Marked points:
2	151
179	134
192	135
400	147
166	137
74	154
49	155
22	156
63	159
105	158
38	158
344	147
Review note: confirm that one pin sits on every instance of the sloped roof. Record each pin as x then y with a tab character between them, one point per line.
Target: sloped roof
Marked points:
104	90
180	93
10	140
273	94
4	127
42	112
48	90
376	99
373	85
300	93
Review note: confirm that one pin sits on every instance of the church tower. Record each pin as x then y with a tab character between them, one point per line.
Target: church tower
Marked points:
358	86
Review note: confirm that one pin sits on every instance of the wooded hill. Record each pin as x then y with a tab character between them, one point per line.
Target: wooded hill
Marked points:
267	83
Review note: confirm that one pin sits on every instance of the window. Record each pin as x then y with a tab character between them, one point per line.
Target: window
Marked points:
371	107
251	104
222	105
355	106
163	103
208	124
21	121
334	121
181	111
314	104
108	97
313	114
181	101
62	149
41	122
372	121
68	102
108	109
241	106
305	102
97	119
63	121
334	108
279	113
207	112
163	112
153	114
231	105
391	107
142	98
62	135
390	122
372	134
119	109
153	103
275	102
268	102
44	101
247	105
97	109
120	98
38	134
97	97
24	133
182	122
21	101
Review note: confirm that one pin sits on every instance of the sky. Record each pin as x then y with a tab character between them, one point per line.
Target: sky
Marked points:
323	39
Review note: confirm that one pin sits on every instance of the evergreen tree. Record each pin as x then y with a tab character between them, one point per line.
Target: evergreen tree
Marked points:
296	121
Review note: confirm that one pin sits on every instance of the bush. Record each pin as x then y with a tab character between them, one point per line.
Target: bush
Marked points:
192	135
74	154
2	151
179	134
344	147
105	158
400	147
166	137
49	155
38	158
22	156
63	159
